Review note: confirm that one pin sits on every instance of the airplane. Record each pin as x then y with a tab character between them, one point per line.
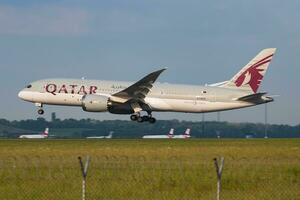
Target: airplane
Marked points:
109	136
119	97
169	136
42	135
186	135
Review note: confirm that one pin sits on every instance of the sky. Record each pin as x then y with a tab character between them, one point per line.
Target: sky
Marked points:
200	42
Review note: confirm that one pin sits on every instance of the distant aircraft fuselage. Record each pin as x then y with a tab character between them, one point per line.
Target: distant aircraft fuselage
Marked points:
42	135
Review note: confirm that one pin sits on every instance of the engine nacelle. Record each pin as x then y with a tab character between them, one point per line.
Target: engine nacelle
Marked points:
94	103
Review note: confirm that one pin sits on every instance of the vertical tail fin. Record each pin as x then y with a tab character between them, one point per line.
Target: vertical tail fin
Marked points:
171	133
187	133
46	132
110	135
250	76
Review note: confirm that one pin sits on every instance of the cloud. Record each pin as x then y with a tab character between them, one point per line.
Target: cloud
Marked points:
43	21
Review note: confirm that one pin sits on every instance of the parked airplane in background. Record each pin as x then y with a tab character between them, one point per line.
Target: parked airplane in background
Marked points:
43	135
168	136
132	98
187	134
109	136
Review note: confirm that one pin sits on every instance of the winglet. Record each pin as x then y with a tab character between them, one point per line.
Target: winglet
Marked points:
153	76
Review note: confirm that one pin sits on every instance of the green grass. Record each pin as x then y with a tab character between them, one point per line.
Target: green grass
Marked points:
150	169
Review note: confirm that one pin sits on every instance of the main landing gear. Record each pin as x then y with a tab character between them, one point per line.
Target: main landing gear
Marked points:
146	118
40	110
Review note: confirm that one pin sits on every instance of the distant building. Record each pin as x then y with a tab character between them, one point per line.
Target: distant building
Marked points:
249	136
53	117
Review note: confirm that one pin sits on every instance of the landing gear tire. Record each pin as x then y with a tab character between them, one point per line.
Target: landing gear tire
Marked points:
145	118
133	117
140	119
152	120
40	111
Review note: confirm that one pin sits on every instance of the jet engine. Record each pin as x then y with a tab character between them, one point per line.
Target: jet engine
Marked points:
94	103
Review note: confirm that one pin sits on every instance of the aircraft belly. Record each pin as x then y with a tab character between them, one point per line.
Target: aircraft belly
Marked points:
192	106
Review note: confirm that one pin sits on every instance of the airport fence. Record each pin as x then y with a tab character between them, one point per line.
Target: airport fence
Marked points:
122	177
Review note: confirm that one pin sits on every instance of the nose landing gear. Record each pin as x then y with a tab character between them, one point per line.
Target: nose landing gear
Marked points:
40	110
146	118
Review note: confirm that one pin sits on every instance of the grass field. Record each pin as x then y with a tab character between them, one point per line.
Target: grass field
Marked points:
150	169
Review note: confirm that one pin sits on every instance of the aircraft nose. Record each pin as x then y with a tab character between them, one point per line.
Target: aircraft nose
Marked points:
26	95
22	94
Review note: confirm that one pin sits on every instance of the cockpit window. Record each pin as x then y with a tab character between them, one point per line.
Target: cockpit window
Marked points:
28	86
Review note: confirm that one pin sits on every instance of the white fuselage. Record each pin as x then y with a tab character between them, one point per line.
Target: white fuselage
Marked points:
96	137
100	137
181	136
157	137
32	136
162	97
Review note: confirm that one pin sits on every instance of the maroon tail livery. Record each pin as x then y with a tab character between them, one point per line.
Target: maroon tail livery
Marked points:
251	76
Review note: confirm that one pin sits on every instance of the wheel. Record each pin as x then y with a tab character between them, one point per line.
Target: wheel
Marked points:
145	118
140	119
152	120
40	111
133	117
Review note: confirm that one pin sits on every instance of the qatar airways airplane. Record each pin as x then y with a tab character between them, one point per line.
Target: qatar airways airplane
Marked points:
145	95
42	135
168	136
109	136
185	135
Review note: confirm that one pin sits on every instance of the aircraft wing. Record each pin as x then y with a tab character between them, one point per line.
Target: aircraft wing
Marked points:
138	90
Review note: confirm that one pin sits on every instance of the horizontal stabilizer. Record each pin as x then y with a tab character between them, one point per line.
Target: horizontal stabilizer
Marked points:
256	98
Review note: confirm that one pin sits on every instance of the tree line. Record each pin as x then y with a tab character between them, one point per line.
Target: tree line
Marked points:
72	128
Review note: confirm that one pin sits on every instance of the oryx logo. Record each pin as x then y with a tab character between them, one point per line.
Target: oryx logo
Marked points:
254	74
